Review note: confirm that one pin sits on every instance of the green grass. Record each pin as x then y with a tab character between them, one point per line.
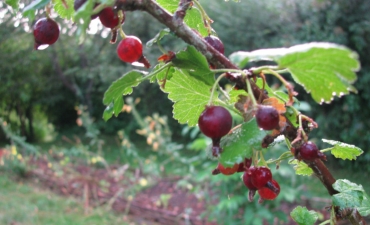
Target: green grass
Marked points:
24	204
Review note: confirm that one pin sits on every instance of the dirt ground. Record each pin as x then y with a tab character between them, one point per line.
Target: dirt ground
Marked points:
161	203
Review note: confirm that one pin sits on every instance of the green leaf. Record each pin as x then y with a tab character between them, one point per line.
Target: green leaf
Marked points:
162	72
344	151
13	3
37	4
234	95
241	143
292	116
301	168
195	64
189	95
113	97
192	18
169	5
351	196
158	37
325	70
302	216
108	112
64	11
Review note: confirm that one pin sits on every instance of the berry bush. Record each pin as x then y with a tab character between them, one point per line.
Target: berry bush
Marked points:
192	79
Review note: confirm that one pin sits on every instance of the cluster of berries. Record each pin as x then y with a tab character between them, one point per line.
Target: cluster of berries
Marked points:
129	49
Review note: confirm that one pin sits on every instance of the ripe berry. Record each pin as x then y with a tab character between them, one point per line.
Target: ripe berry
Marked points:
243	166
247	178
267	117
45	32
228	170
269	192
260	176
215	121
309	151
109	18
130	49
216	43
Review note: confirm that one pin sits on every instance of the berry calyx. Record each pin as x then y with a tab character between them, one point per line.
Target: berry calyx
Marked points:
130	49
109	18
216	149
45	32
270	191
215	121
309	151
216	43
260	176
227	170
267	117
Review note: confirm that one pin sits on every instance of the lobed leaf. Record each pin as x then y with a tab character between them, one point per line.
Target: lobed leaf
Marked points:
64	8
189	96
195	63
301	168
344	151
234	95
241	143
303	216
325	70
192	18
351	196
113	97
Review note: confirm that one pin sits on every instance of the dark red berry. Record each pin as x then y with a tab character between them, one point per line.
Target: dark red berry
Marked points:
247	178
270	192
215	121
260	176
109	18
309	151
227	170
216	43
267	117
243	166
130	49
78	3
45	32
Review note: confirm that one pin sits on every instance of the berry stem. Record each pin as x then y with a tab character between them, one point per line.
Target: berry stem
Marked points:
206	19
250	91
121	17
215	85
262	159
161	48
285	155
327	149
258	70
98	9
287	85
301	128
325	222
165	66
